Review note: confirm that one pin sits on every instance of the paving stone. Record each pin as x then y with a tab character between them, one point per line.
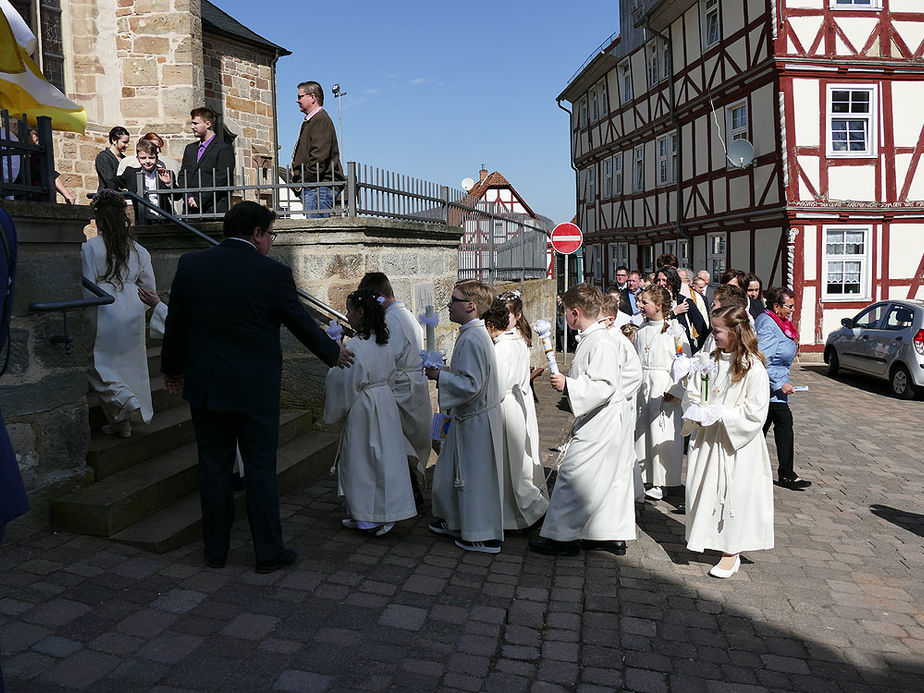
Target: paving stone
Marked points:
404	617
80	670
296	681
250	626
169	648
57	647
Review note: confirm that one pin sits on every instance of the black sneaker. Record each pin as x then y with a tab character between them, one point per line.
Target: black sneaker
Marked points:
612	546
551	547
287	557
440	527
486	546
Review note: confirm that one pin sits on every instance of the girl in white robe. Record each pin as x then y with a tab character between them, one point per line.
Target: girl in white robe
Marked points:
372	471
525	498
658	439
729	478
119	265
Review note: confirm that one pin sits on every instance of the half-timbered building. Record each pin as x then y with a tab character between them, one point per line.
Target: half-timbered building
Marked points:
828	92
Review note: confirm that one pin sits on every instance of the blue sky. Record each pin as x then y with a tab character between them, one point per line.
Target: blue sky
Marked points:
435	89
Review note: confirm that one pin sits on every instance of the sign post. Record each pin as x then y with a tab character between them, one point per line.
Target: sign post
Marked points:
566	239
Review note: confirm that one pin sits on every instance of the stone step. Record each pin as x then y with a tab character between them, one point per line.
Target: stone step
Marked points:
160	399
299	462
112	504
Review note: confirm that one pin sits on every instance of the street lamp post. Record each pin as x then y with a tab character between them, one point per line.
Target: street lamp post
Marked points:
338	94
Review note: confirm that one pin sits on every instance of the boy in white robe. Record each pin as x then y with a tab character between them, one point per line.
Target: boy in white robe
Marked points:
583	506
467	480
412	393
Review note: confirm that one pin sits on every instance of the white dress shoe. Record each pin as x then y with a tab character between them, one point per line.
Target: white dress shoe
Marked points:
718	572
654	493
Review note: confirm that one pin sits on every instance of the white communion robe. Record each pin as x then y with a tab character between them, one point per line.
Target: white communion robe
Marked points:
630	380
525	497
467	480
372	471
412	393
658	439
584	504
729	479
119	370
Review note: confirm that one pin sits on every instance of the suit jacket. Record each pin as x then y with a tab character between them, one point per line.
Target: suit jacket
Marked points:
695	319
128	179
624	305
222	330
216	168
13	499
317	150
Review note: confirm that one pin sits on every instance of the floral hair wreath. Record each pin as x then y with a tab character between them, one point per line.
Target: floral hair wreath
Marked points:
508	295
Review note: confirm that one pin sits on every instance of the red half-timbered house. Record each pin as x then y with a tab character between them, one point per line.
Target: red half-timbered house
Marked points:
828	94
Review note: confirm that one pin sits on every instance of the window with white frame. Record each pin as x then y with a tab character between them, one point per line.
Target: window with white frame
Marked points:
591	183
846	262
619	257
617	175
683	253
709	16
852	120
652	61
638	182
646	259
583	184
607	178
666	146
602	106
582	109
736	120
593	262
715	255
625	78
592	104
856	4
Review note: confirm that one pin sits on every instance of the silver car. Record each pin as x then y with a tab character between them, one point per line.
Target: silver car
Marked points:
885	340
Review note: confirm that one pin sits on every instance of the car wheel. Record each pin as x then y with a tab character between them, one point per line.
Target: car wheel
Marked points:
834	364
901	383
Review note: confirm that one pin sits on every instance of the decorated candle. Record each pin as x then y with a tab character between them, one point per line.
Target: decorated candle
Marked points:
431	329
544	332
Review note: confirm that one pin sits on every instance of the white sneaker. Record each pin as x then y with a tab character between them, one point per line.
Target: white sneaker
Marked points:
123	429
487	546
654	493
718	572
384	529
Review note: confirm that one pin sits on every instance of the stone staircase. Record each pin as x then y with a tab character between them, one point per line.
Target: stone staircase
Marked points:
145	490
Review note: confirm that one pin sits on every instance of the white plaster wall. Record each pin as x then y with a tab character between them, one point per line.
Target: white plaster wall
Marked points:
806	112
805	29
809	251
810	165
805	4
766	243
739	251
858	29
905	5
807	315
740	189
763	131
906	246
831	320
912	33
702	144
719	203
907	122
852	182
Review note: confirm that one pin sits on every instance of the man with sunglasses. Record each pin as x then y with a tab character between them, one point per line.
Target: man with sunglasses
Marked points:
222	351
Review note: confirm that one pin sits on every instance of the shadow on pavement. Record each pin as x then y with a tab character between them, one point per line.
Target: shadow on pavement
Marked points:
913	522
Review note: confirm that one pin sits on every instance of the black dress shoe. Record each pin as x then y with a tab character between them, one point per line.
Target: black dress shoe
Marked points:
551	547
215	563
287	557
795	484
615	547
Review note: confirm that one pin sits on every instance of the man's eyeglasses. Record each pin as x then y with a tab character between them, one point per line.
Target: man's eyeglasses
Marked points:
301	96
455	299
271	234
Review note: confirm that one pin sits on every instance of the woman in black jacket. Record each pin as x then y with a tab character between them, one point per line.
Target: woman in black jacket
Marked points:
107	161
684	309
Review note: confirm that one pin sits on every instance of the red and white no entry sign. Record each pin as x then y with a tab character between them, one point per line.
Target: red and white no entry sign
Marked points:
567	238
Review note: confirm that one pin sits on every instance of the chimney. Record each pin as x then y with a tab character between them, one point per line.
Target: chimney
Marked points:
482	174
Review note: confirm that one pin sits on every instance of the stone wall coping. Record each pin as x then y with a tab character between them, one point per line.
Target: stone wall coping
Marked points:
319	232
44	222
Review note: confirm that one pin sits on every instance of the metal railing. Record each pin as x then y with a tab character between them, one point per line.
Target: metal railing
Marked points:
27	169
320	310
101	298
496	243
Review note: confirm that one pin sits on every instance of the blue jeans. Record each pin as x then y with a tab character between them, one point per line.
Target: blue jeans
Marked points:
317	202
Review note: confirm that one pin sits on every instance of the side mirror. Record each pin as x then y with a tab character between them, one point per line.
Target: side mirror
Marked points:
847	322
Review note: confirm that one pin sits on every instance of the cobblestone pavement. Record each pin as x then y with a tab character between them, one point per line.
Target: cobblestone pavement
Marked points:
837	606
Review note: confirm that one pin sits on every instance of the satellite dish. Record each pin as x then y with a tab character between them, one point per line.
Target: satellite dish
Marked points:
740	153
468	184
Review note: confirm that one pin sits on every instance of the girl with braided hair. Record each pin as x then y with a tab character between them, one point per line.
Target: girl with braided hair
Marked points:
372	467
117	263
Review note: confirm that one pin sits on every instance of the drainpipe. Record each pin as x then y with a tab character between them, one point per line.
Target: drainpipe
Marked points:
675	119
274	174
579	256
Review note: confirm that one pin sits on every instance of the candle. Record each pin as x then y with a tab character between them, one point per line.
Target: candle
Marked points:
431	330
705	388
544	332
678	345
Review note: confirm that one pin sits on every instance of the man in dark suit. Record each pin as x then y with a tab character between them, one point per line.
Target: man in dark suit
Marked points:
206	163
13	499
221	349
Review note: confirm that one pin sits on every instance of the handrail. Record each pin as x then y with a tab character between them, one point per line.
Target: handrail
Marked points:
102	299
316	302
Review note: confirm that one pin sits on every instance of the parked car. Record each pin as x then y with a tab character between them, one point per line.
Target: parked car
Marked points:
885	340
